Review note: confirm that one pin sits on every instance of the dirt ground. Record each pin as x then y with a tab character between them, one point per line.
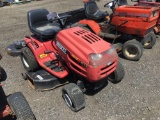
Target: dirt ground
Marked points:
137	97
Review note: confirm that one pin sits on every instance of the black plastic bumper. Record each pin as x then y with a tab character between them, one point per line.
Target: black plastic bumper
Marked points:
15	48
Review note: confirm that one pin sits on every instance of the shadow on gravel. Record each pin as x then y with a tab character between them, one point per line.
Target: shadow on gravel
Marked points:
121	55
93	91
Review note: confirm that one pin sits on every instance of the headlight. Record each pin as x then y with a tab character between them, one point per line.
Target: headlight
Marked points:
154	13
95	56
102	58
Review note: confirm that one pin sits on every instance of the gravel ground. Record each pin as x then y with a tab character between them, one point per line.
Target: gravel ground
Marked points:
137	97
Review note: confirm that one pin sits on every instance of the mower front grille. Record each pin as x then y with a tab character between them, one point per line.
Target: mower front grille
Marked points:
88	36
77	66
108	68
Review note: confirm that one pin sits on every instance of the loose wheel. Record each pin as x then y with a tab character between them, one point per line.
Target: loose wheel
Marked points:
20	107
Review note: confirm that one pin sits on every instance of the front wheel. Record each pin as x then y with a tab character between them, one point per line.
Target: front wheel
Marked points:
73	96
117	75
20	107
132	50
149	41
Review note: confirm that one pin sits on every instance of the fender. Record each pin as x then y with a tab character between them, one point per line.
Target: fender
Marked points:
92	24
38	49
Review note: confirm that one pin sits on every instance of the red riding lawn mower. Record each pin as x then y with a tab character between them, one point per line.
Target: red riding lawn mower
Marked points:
14	105
132	26
55	55
152	4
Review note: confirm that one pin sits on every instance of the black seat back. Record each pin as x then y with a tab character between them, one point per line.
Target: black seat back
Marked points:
122	2
36	16
90	8
92	11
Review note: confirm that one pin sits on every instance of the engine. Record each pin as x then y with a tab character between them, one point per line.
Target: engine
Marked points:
86	53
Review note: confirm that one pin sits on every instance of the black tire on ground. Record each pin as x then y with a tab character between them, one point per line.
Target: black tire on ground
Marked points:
117	75
73	96
28	60
20	106
132	50
149	41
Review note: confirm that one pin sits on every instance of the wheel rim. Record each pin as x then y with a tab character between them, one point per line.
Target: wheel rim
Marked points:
67	100
25	62
131	52
147	43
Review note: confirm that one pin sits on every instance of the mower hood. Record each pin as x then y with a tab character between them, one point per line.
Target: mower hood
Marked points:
80	43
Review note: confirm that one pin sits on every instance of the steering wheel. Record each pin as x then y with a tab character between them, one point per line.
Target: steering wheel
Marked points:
111	4
108	4
62	23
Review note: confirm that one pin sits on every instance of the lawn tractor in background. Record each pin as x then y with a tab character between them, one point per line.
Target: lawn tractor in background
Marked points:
14	105
3	3
155	3
130	25
9	2
55	55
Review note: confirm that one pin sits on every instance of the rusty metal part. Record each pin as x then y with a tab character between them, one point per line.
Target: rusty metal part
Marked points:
156	30
31	84
118	47
6	111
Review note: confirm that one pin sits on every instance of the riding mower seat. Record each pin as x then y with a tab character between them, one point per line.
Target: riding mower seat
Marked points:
40	25
92	11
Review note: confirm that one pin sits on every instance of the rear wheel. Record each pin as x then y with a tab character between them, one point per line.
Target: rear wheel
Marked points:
73	96
117	75
28	60
20	107
149	41
132	50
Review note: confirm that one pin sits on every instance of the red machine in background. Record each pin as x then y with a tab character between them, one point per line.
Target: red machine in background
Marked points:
149	3
129	25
